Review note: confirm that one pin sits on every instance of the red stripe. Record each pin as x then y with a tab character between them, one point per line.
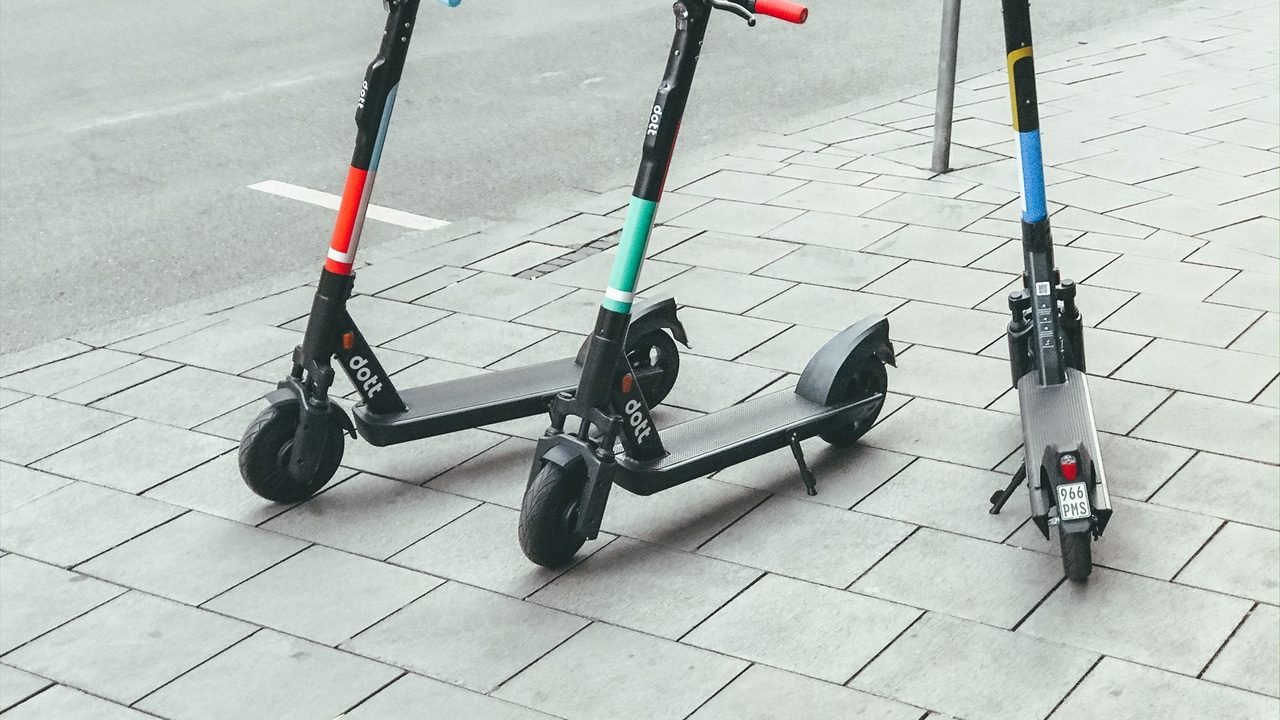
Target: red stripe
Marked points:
347	212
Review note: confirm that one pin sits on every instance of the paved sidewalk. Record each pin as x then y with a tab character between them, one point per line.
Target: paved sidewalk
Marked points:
140	578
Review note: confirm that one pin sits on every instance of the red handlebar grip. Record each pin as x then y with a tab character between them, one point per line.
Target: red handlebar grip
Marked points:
783	10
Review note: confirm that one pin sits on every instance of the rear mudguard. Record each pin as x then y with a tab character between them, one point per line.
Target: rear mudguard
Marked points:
826	378
649	315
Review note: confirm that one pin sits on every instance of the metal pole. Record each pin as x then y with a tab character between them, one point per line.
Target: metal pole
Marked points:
946	95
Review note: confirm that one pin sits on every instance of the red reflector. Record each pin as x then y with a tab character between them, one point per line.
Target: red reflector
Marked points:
627	380
1069	467
348	341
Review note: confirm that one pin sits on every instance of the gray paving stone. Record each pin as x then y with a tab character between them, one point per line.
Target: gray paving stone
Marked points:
611	672
844	475
468	339
946	497
723	335
577	231
1161	245
1101	195
274	676
947	213
763	693
593	272
155	399
193	558
1200	369
16	362
840	131
494	296
1251	658
65	703
76	522
9	397
59	375
1240	560
735	217
1226	488
115	381
130	646
1135	618
1121	689
381	320
950	433
135	456
38	598
1246	246
520	257
464	636
407	289
1180	215
414	697
790	350
734	253
371	516
1218	426
1251	290
574	313
950	376
497	476
823	307
231	347
1075	263
1230	158
37	427
277	309
20	485
828	174
1209	185
421	460
684	517
745	187
323	595
836	268
1161	277
1012	582
808	541
945	326
720	290
974	670
646	587
764	624
707	384
950	247
1090	222
217	489
834	230
944	284
17	685
834	198
1179	319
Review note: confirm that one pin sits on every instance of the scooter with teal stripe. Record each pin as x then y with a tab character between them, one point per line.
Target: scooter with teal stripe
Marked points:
603	434
1062	462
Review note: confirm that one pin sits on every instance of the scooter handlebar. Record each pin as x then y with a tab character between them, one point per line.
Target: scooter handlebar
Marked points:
792	12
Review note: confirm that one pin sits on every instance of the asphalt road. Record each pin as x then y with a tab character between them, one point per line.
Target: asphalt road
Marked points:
129	131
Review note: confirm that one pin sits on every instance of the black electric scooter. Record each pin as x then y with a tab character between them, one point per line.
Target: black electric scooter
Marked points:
838	396
1061	457
294	446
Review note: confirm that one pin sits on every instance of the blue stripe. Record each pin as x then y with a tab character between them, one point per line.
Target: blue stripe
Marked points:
1033	203
382	129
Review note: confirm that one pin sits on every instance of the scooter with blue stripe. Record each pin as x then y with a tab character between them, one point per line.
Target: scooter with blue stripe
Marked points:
602	435
1062	461
295	445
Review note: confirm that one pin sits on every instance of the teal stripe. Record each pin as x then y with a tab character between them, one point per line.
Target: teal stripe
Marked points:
631	246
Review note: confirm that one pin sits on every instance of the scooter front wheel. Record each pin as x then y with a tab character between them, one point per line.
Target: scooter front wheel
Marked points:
869	379
1077	555
267	446
656	350
549	513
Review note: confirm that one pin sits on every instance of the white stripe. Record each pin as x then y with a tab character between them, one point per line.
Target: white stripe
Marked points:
328	200
342	257
619	296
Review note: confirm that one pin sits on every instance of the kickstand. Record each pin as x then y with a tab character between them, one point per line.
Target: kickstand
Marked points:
1002	496
810	483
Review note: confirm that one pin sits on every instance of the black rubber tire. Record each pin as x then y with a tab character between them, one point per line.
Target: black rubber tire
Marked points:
548	513
1077	555
655	349
869	379
265	450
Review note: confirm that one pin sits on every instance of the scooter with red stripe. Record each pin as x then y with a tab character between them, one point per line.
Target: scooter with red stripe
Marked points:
838	396
295	445
1062	462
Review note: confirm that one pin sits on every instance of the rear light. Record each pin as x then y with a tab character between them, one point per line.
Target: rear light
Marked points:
1069	466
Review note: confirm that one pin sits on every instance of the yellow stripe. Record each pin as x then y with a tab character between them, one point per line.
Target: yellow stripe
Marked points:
1015	56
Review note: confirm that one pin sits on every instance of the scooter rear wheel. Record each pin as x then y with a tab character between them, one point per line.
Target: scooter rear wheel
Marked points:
548	514
267	446
655	349
869	379
1077	555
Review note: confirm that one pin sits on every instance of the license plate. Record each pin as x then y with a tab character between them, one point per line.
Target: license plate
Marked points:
1073	501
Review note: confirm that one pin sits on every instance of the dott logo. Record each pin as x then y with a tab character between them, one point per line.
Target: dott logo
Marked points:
364	92
370	382
638	420
654	119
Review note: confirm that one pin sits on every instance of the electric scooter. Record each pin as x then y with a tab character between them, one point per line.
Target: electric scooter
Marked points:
1062	461
294	446
838	396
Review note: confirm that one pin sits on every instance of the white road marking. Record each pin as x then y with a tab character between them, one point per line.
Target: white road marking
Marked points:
331	201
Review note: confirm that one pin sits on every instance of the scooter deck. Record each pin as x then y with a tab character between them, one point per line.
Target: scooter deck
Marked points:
721	439
1059	415
469	402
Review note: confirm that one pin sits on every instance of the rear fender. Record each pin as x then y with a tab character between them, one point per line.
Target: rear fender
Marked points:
649	315
826	378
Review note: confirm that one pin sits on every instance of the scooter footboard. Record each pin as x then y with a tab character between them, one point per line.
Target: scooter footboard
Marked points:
1061	416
